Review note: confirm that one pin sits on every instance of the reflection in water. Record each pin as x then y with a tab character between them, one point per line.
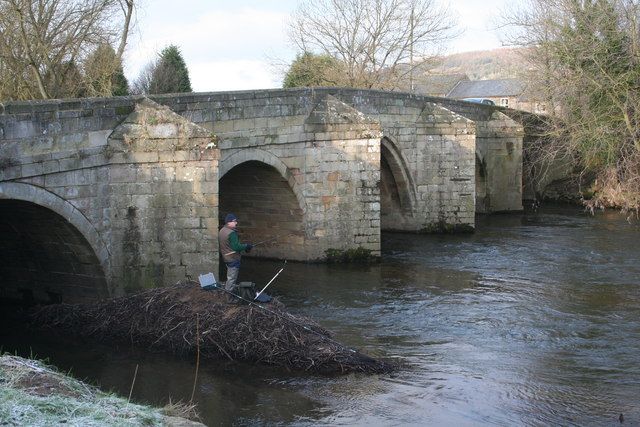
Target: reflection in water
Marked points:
531	320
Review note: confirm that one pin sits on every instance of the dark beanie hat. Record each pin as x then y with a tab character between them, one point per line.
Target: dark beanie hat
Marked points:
230	217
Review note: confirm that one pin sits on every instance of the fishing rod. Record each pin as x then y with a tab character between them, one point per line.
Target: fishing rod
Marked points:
274	278
259	243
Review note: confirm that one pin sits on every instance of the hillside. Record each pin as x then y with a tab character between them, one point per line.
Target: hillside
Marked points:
485	64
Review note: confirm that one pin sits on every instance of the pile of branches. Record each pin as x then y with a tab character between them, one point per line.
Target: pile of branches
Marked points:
184	319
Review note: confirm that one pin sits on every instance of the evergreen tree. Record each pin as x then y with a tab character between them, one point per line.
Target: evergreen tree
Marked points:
170	74
120	85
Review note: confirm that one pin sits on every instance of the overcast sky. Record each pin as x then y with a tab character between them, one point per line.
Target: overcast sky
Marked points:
231	45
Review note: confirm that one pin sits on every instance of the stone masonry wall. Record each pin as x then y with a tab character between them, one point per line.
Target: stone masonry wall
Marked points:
54	154
128	195
330	157
431	151
500	152
326	144
274	116
342	172
163	190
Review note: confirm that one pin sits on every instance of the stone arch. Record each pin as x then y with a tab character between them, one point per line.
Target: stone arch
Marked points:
41	200
263	193
404	182
236	157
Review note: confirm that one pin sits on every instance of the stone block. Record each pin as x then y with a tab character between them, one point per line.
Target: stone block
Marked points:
164	201
182	187
82	204
10	172
195	259
123	174
183	223
145	157
32	169
210	223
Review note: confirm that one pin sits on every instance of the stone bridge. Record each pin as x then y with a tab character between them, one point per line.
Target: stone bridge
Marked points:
104	196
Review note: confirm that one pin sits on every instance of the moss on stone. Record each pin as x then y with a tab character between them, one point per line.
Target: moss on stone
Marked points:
446	228
353	255
124	110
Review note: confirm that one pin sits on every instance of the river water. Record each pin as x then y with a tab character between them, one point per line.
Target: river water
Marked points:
532	320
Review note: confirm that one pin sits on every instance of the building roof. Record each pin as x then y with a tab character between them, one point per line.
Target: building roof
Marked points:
487	88
437	84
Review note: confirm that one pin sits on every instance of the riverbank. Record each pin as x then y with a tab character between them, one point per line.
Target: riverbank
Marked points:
35	394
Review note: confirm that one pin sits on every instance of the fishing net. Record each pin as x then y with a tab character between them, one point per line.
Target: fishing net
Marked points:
184	319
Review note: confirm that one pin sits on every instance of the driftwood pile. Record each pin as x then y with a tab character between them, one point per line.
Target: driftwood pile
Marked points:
184	319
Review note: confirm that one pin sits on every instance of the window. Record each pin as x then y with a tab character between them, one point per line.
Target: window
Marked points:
504	102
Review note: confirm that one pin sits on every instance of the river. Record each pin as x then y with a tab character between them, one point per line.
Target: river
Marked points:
532	320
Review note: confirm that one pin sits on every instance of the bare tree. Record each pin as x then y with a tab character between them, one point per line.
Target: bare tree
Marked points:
584	61
378	41
127	11
142	84
44	42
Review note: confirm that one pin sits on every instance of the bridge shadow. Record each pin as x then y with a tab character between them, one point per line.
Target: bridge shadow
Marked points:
267	209
45	259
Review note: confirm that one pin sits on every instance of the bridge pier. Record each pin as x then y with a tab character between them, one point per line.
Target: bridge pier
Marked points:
163	199
499	156
328	164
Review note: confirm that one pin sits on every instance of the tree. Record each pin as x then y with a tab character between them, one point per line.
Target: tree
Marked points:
585	59
43	41
142	83
170	73
377	41
103	73
311	70
127	11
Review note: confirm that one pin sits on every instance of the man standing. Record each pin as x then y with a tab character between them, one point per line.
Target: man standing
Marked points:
230	248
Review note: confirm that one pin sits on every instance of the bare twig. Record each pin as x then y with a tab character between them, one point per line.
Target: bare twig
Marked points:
135	374
195	379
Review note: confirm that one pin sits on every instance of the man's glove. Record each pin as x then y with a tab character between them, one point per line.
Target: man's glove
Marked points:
248	248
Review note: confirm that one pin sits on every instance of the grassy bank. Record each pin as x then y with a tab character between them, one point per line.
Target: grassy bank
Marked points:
34	394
